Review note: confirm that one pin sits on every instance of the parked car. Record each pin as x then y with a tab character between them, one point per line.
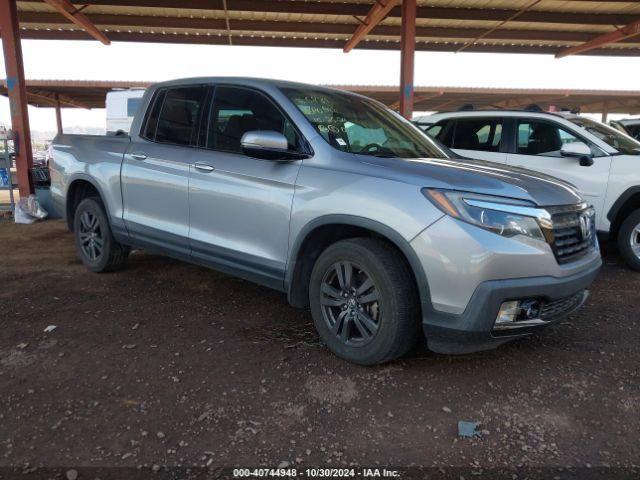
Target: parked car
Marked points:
603	163
630	126
337	201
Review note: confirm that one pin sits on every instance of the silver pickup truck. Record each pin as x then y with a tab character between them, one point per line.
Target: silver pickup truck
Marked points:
339	202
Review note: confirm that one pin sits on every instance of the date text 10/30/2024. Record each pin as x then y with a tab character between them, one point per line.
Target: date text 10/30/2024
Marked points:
316	472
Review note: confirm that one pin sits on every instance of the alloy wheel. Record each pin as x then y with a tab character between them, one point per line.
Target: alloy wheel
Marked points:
350	303
635	240
91	240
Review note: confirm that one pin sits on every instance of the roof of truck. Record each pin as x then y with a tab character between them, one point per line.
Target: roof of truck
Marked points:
252	81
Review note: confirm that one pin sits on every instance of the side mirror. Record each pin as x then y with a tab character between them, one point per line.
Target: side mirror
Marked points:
268	145
578	150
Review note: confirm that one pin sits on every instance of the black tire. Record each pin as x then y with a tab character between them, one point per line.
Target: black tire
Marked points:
390	325
106	256
627	235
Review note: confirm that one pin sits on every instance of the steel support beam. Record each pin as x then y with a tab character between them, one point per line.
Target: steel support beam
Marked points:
58	115
627	31
53	98
66	8
17	93
407	57
377	13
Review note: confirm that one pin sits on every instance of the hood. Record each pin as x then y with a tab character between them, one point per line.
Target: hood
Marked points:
482	177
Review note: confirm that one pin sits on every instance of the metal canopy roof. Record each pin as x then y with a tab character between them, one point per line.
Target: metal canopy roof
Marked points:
71	93
433	99
545	26
91	94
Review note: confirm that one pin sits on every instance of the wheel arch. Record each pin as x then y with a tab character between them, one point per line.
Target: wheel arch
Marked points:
623	206
81	187
318	234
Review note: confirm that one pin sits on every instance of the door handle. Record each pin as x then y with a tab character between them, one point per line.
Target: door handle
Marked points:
139	156
203	167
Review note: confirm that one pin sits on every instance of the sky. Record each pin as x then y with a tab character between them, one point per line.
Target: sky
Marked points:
90	60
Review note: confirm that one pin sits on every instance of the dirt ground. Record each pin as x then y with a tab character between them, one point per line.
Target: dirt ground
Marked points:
170	364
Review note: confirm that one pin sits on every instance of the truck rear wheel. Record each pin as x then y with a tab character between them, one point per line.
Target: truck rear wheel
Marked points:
364	302
98	250
629	240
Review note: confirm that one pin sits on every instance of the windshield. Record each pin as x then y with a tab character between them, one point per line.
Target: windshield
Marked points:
356	125
612	137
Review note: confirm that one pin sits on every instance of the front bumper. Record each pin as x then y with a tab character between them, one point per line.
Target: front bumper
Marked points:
474	331
470	272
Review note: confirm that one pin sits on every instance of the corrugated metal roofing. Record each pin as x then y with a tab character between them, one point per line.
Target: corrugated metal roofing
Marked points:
91	94
442	25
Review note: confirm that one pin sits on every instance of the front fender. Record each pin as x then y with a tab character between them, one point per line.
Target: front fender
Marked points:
374	226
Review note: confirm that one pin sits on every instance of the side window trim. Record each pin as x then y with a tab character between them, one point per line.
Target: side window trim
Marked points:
157	95
504	135
203	123
509	142
212	102
448	132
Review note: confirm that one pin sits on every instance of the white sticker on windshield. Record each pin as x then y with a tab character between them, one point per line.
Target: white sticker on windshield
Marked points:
341	142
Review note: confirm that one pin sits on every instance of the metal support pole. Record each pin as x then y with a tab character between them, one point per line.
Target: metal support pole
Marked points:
17	93
605	112
407	54
58	114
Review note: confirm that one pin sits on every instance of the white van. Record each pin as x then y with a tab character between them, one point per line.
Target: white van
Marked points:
121	108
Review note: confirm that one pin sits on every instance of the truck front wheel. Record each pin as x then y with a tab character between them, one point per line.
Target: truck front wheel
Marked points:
364	301
98	250
629	240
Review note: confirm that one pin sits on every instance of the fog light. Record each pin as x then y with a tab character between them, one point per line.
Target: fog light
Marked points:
508	312
530	309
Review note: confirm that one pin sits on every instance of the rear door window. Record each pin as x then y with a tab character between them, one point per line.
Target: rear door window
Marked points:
178	116
482	134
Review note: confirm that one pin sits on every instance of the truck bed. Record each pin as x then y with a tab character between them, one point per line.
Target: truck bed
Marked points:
96	159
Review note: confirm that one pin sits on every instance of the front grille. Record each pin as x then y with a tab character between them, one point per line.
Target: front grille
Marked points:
554	308
568	240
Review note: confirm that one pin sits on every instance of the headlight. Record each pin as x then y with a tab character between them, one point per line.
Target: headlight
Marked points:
504	216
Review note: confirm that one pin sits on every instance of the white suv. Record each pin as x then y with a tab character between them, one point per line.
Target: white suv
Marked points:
603	163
